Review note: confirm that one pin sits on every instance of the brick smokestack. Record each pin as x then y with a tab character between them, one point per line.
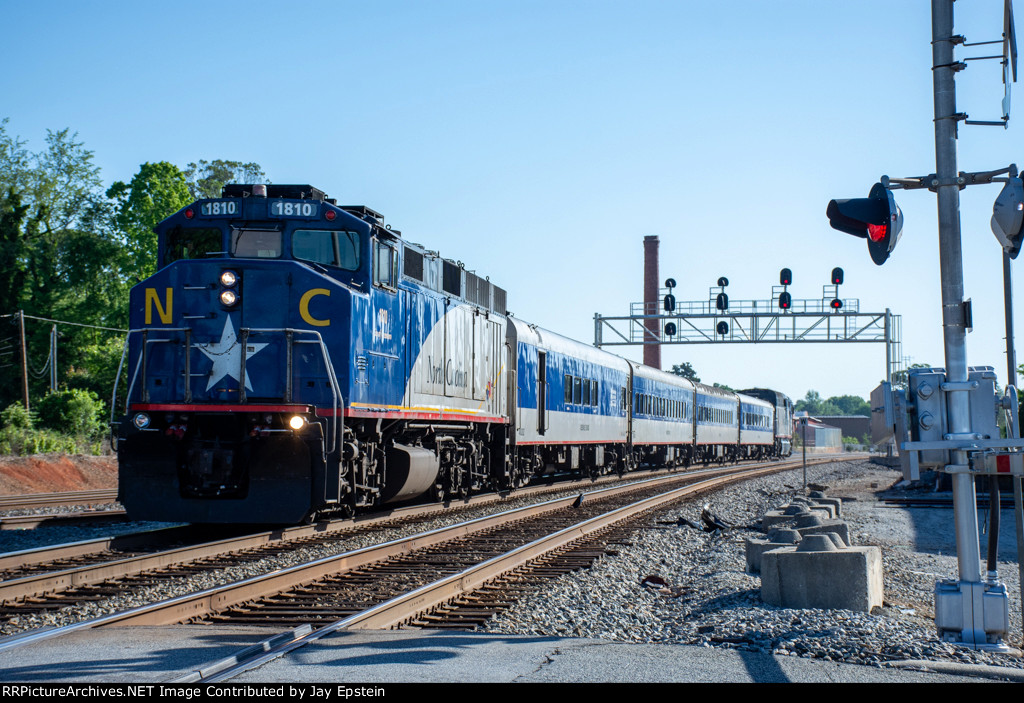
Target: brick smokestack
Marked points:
652	352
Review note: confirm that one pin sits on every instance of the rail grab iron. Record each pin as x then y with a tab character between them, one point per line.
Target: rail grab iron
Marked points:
289	333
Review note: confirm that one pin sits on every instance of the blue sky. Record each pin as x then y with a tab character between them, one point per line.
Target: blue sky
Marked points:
539	142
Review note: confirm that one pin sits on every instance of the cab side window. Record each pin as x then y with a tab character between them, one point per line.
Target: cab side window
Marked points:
339	249
385	266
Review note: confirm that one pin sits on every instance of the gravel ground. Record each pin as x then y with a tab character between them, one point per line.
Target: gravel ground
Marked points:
39	537
710	599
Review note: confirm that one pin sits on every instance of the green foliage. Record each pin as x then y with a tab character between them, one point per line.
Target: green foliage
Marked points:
686	371
76	412
155	193
206	178
15	415
851	405
724	387
69	251
816	406
19	436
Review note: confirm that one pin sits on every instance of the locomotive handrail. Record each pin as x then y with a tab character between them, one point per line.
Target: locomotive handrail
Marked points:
335	386
135	374
289	334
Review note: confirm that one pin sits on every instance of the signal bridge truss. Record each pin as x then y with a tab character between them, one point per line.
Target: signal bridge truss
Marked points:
754	322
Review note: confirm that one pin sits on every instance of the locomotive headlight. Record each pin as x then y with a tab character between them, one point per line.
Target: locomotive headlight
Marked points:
141	420
297	422
228	297
228	278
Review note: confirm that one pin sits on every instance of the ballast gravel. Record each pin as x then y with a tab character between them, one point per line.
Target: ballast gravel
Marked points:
708	599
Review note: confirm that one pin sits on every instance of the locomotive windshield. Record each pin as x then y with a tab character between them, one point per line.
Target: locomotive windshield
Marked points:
256	243
191	243
339	249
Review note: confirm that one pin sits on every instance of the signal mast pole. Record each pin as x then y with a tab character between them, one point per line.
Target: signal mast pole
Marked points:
954	317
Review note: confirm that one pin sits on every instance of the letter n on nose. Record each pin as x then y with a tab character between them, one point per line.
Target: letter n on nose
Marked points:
162	310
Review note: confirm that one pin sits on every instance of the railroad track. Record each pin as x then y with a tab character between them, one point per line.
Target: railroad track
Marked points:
398	582
46	500
79	517
39	580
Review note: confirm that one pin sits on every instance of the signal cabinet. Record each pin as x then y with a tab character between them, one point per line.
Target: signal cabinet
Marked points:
927	408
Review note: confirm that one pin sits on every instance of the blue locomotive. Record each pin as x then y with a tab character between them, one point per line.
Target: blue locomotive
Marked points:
293	358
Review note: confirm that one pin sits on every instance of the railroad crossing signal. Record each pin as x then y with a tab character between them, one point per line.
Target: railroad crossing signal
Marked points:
1008	216
876	218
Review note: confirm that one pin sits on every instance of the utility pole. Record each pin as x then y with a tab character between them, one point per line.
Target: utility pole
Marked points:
24	358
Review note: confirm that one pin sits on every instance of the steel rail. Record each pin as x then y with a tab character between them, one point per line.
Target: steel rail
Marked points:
216	599
39	584
71	550
23	522
42	500
397	611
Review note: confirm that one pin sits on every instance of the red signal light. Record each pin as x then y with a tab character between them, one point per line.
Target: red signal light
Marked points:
836	303
785	301
876	233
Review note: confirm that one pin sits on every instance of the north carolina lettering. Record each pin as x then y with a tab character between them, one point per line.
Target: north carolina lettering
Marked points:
447	374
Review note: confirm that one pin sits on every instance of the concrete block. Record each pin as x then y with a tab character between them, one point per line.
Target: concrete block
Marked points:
815	525
776	538
817	574
785	516
820	498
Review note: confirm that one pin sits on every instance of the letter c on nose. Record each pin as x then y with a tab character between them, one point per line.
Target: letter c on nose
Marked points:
304	306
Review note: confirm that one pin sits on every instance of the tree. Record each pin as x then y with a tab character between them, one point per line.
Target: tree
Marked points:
59	256
206	178
851	405
686	371
813	404
156	192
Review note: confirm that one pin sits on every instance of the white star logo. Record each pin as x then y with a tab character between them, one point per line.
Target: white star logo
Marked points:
225	355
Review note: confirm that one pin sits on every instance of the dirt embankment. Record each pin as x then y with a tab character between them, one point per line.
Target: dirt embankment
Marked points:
51	473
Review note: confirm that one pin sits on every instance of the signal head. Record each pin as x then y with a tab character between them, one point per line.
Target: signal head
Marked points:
785	301
670	329
785	277
670	283
836	304
722	327
670	303
837	276
722	301
876	218
723	281
1008	216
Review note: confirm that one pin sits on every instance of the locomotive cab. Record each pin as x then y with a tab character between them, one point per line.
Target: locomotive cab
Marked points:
292	358
234	400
